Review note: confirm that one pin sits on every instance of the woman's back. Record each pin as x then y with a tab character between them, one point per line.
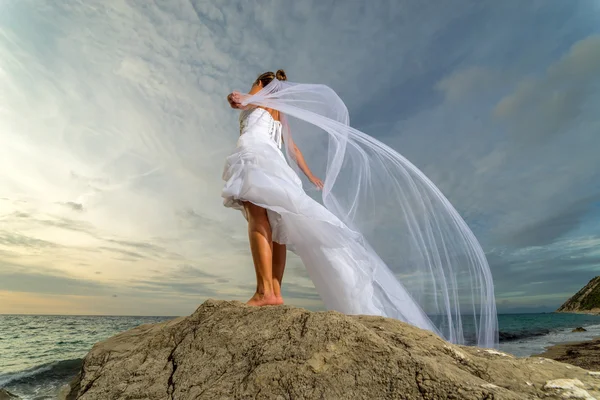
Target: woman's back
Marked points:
260	123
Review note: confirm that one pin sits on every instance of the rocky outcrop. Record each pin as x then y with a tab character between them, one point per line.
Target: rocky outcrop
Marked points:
587	300
579	329
582	354
227	350
6	395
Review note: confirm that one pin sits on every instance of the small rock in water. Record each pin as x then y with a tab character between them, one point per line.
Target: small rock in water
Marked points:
579	329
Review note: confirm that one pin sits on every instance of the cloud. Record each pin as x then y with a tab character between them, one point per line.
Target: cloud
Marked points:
499	182
130	255
554	226
468	81
74	206
45	281
543	107
547	274
18	240
516	195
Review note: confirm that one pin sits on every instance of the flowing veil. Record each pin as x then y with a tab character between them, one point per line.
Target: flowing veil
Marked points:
414	236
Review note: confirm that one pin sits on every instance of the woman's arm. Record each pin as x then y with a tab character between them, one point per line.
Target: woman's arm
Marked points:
302	164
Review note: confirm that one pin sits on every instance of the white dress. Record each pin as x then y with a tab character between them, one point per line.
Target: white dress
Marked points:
349	278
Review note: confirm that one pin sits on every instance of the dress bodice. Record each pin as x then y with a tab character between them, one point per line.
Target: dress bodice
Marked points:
259	122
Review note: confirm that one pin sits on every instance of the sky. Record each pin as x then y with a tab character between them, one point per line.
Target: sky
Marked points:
114	128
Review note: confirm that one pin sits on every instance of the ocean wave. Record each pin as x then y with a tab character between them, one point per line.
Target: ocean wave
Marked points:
51	372
512	335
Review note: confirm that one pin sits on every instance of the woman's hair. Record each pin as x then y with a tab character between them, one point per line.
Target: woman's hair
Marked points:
268	77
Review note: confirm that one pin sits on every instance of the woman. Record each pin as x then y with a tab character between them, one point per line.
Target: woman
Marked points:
375	202
259	134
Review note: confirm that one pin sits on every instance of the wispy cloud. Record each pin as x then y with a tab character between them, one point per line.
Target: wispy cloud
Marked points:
47	281
544	106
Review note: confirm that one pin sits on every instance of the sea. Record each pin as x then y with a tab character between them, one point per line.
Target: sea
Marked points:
39	355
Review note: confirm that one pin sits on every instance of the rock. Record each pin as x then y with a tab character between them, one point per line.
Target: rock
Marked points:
584	354
570	388
587	300
227	350
6	395
579	329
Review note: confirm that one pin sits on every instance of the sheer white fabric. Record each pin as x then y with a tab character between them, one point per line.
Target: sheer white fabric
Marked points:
385	241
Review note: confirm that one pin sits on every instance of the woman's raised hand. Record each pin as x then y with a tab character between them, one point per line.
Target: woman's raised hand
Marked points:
235	100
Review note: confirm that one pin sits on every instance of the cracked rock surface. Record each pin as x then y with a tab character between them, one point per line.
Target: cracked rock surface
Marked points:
6	395
227	350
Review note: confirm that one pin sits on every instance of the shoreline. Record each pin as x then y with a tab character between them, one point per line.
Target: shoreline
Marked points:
593	311
584	354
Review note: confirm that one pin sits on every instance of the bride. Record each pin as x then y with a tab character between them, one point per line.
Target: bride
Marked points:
382	220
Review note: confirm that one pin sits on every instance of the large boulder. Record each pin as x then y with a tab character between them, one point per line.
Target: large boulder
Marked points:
227	350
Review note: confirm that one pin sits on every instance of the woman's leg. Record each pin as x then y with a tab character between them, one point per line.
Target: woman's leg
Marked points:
261	245
279	257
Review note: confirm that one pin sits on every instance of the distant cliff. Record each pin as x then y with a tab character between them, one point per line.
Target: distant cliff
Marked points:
587	300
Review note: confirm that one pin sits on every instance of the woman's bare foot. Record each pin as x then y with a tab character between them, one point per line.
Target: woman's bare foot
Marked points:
259	300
